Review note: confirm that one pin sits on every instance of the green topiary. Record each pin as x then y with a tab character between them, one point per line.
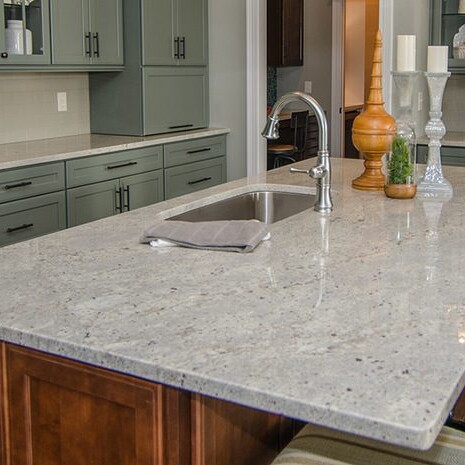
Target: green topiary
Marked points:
400	167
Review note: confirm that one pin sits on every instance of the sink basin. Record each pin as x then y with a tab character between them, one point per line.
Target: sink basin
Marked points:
266	206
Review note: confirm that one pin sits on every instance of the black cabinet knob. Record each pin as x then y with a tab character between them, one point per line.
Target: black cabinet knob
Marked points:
4	55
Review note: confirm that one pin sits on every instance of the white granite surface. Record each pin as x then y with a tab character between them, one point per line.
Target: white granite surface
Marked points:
354	321
451	139
64	148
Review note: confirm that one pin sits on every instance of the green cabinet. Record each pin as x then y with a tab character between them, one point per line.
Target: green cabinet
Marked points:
164	85
454	156
87	32
174	32
32	202
445	23
104	185
194	165
24	33
181	93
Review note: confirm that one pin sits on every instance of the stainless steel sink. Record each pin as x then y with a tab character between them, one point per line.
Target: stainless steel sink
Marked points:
266	206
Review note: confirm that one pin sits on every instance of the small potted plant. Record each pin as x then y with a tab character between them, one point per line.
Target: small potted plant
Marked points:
400	176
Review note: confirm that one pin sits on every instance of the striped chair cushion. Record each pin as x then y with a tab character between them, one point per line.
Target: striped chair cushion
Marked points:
317	446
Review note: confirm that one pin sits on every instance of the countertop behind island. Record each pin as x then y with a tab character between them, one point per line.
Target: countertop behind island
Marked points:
354	321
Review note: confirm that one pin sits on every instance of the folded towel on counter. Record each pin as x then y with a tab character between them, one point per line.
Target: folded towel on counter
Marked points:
229	236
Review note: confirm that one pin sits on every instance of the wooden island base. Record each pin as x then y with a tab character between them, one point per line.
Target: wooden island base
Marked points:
55	411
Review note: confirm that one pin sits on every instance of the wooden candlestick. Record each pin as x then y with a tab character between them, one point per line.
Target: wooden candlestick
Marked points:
373	129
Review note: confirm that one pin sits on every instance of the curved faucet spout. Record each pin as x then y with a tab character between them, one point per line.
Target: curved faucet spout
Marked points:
322	171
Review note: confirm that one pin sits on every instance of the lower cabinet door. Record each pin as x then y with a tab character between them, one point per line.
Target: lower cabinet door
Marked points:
142	189
24	219
63	412
192	177
90	203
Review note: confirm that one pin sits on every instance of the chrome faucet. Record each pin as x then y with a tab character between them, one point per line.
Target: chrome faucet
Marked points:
322	171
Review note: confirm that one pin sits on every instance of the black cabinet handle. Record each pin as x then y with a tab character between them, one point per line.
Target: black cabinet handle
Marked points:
96	45
183	52
88	44
191	183
20	184
198	151
20	228
124	165
4	55
127	205
181	126
119	200
176	48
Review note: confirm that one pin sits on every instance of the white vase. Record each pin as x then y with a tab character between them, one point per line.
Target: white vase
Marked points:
461	7
14	38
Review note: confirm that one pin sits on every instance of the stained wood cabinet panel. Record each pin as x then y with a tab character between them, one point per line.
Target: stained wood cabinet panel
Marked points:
62	412
230	434
285	31
65	412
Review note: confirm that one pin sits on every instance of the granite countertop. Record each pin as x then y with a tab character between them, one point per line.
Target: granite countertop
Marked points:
64	148
354	321
451	139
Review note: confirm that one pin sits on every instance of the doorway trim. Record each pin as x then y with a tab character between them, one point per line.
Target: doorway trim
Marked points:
257	75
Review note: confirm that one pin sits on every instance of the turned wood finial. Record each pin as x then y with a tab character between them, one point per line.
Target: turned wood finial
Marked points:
373	129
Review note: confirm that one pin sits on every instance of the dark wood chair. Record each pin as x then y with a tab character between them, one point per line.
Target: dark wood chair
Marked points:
284	154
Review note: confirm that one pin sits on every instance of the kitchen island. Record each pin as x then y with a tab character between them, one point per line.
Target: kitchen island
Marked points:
354	321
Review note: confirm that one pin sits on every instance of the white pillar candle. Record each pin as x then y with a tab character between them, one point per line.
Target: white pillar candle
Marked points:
406	53
438	56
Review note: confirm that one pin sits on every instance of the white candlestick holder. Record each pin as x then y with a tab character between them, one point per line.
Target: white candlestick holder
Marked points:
433	183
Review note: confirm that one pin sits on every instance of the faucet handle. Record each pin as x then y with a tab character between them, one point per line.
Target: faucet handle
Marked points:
296	170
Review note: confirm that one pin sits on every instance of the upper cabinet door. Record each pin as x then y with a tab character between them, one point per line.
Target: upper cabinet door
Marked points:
24	32
160	39
71	39
192	32
106	22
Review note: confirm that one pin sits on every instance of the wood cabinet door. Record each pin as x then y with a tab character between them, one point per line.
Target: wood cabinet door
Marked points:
192	32
62	412
229	434
3	407
70	32
106	20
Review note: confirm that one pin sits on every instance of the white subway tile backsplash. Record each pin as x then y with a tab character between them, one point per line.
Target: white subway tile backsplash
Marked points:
29	106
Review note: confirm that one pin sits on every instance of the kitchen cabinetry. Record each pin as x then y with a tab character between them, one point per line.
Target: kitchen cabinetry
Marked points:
105	185
285	31
32	202
174	32
454	156
194	165
87	32
155	94
59	411
24	33
445	24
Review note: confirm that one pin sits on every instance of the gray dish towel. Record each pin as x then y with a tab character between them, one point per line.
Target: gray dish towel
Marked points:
230	236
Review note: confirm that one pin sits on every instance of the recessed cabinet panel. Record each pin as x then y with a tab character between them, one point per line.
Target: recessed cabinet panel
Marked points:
94	202
159	32
192	32
192	177
175	99
190	151
113	165
26	182
70	39
142	190
107	32
28	218
24	32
